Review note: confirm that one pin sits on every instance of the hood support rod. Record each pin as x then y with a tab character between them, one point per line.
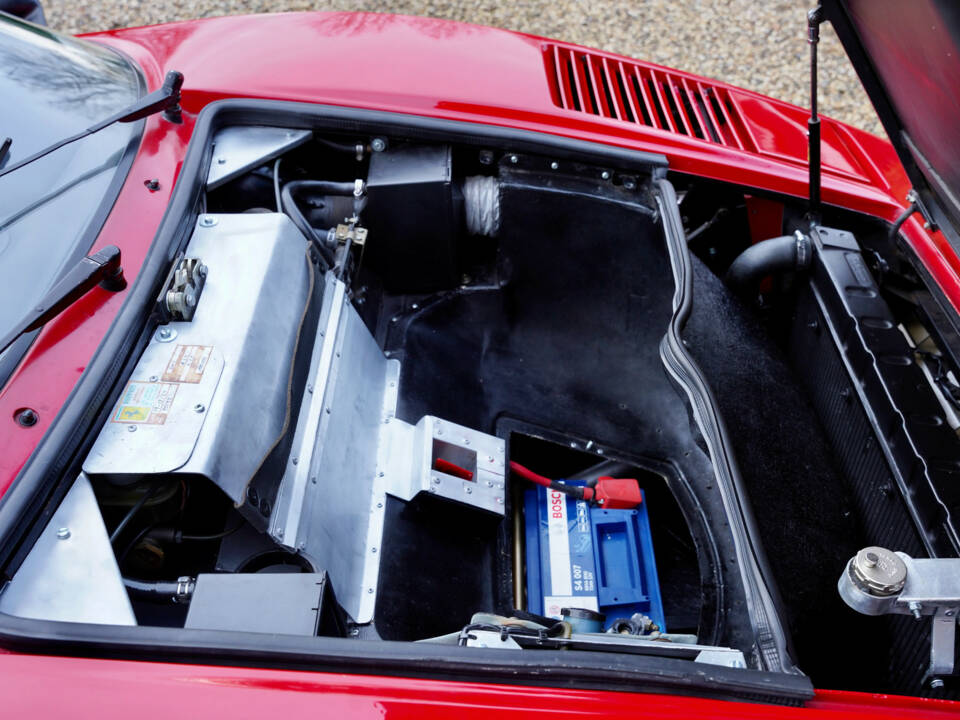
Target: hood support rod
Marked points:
814	19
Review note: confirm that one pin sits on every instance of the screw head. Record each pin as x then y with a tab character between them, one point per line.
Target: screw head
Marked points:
166	334
514	159
199	408
554	165
630	184
208	221
63	533
605	174
221	161
152	184
936	684
378	145
131	428
26	417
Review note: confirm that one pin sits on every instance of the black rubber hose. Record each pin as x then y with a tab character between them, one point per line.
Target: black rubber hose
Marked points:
293	211
769	257
163	591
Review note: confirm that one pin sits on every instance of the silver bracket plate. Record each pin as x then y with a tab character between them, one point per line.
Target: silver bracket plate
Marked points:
240	148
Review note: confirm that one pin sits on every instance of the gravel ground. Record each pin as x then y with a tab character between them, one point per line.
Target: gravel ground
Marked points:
757	45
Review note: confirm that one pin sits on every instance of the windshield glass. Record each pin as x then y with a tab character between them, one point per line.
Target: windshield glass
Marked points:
52	86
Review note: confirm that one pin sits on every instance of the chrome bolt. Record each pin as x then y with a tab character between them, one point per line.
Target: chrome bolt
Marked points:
514	159
199	408
165	333
913	605
554	165
378	145
63	533
605	174
208	221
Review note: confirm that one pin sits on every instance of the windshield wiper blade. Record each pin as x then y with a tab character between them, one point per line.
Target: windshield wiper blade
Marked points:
102	267
165	98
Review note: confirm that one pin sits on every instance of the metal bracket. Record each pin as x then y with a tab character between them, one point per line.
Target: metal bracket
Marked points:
918	587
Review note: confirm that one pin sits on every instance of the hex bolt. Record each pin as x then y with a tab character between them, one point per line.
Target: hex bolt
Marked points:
378	145
208	221
63	533
913	605
165	333
199	408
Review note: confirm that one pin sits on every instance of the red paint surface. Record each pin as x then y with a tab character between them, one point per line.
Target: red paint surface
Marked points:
42	687
433	68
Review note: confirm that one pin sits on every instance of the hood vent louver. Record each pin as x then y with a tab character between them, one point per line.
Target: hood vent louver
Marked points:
644	95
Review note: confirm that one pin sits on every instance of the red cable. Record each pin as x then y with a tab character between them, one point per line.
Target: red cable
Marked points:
530	475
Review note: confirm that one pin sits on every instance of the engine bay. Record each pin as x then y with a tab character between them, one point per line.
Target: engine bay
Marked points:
397	390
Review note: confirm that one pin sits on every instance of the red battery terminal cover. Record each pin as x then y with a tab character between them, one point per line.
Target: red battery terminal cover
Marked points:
614	493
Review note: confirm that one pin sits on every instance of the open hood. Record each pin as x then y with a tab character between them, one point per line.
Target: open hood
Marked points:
907	57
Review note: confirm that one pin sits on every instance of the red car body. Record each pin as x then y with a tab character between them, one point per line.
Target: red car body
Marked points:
438	69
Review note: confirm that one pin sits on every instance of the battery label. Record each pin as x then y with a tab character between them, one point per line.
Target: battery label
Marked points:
568	547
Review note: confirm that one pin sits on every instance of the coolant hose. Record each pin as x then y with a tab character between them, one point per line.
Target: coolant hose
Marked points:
768	257
161	591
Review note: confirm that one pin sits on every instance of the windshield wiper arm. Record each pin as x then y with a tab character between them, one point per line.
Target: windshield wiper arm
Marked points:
102	267
165	98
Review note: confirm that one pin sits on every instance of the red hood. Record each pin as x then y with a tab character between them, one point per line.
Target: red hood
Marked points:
458	71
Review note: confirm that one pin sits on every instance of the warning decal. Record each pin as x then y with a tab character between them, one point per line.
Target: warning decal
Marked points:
187	364
145	403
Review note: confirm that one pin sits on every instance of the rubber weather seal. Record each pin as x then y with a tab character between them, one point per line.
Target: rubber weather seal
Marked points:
772	642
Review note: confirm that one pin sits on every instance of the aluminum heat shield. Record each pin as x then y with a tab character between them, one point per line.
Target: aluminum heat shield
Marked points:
208	396
331	501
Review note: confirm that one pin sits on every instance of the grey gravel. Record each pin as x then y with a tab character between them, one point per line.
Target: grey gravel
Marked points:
757	45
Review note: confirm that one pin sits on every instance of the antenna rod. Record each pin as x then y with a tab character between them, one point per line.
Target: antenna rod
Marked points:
814	18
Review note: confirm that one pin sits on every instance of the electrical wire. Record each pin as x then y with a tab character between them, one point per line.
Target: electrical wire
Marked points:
276	185
135	509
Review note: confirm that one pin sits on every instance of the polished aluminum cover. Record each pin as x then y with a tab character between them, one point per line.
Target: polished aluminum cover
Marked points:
209	397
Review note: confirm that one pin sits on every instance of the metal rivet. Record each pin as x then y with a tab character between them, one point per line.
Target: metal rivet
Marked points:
154	378
467	489
221	161
131	428
414	307
208	221
605	174
554	165
166	334
199	407
369	591
373	550
436	480
63	533
379	505
514	159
